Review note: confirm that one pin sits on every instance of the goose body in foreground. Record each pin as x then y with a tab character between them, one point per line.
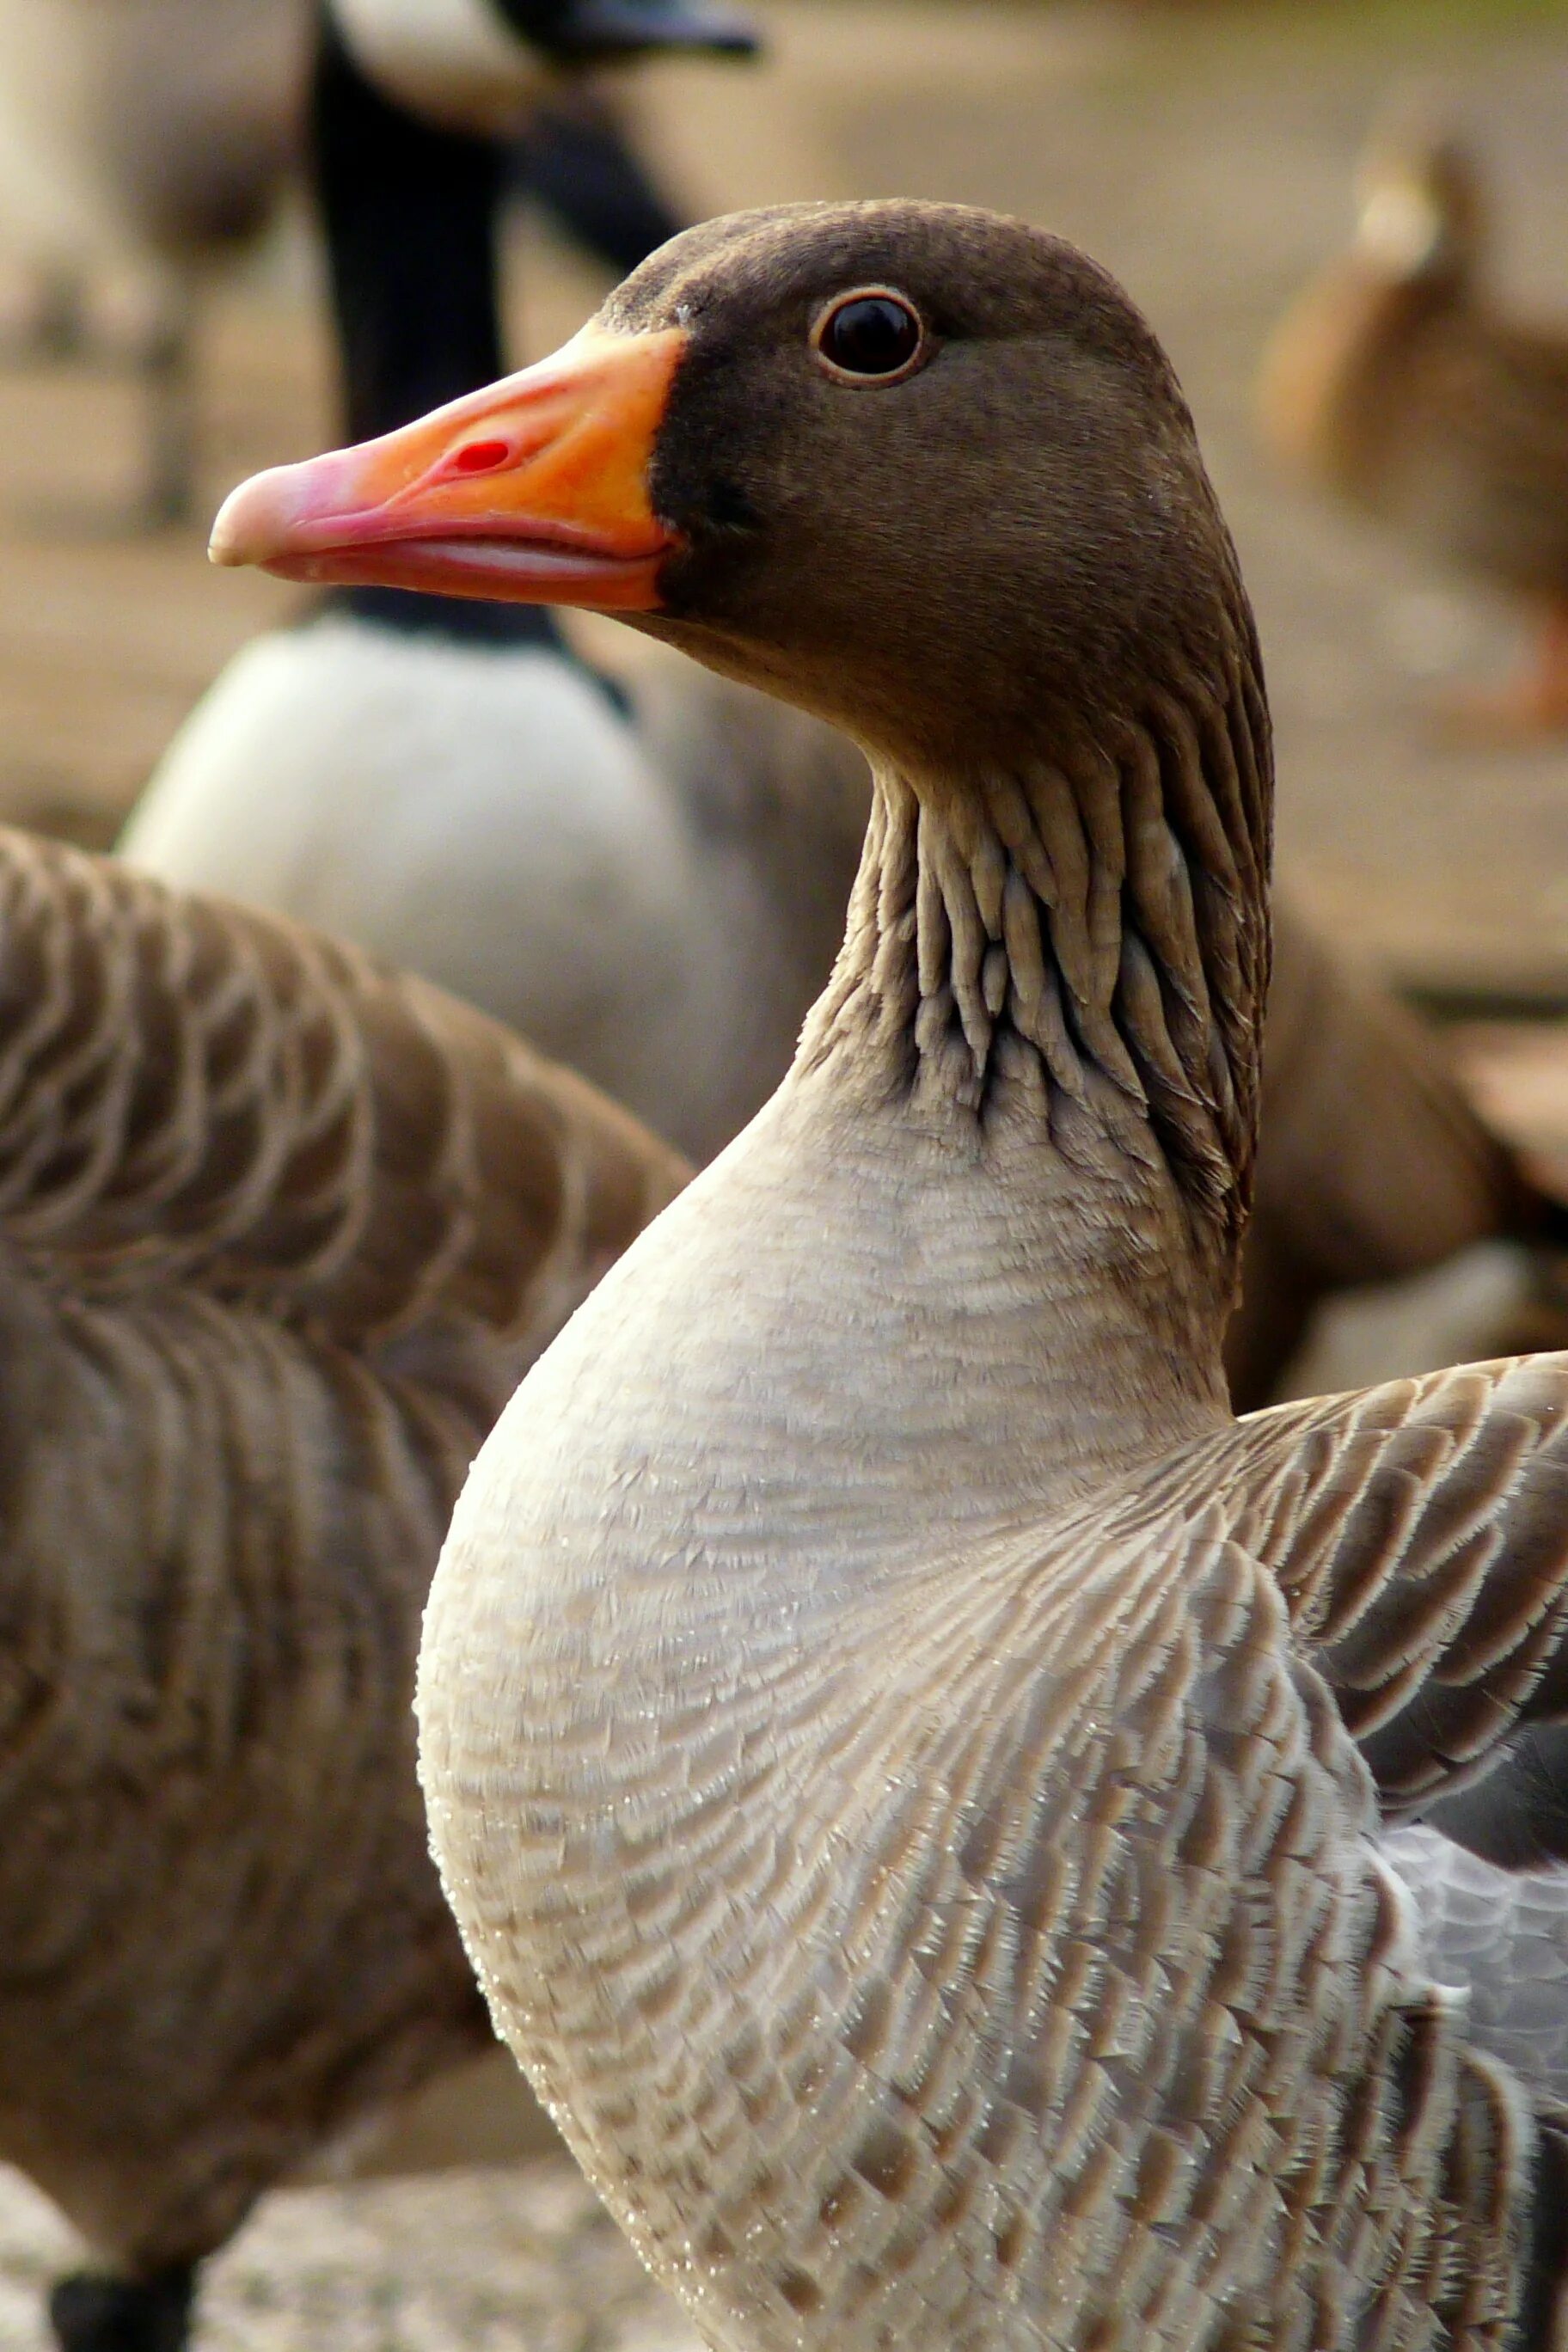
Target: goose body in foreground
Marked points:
279	1232
909	1765
1398	382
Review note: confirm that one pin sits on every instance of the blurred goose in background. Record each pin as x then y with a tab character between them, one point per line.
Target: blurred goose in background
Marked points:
280	1230
911	1767
154	134
650	888
1374	1164
1397	383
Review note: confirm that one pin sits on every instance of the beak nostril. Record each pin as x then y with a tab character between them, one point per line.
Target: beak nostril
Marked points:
479	457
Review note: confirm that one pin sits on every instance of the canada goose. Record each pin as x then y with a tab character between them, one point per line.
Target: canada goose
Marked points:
907	1762
280	1231
653	895
1396	382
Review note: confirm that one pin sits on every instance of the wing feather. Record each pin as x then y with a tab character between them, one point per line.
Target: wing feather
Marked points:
1419	1534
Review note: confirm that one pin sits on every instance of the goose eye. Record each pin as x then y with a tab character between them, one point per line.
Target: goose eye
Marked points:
872	336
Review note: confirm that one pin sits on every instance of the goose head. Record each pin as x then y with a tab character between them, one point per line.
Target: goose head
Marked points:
925	472
920	470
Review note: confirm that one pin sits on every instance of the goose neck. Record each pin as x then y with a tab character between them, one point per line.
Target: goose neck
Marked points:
1060	961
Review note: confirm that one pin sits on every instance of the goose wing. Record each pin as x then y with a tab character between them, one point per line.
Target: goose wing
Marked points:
1409	1179
1419	1534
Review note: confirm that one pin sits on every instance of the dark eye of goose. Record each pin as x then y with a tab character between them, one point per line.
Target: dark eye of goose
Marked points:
870	336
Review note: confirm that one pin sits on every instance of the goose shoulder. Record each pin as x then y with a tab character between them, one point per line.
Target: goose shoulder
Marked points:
1374	1151
1374	1164
191	1088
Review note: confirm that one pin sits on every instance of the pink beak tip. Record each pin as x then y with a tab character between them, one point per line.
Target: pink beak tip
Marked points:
256	522
235	538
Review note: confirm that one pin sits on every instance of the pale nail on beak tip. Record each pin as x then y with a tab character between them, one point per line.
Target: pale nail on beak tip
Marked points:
225	545
252	521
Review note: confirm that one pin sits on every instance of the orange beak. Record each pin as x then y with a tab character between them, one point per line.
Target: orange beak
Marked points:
535	491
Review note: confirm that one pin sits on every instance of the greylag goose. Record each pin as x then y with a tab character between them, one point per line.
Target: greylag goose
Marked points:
1397	383
279	1231
650	892
909	1765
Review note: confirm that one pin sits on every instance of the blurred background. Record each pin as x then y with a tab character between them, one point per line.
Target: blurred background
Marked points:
1207	153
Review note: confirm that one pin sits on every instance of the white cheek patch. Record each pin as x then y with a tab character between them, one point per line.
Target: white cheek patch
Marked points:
454	62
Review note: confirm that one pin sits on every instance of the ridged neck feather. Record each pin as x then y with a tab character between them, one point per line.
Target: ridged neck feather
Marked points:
1070	948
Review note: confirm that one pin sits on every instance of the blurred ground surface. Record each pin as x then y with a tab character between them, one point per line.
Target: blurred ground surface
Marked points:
455	2262
1206	160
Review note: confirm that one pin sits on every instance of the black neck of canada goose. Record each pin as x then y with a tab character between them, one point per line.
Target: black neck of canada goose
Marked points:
997	562
597	31
410	216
